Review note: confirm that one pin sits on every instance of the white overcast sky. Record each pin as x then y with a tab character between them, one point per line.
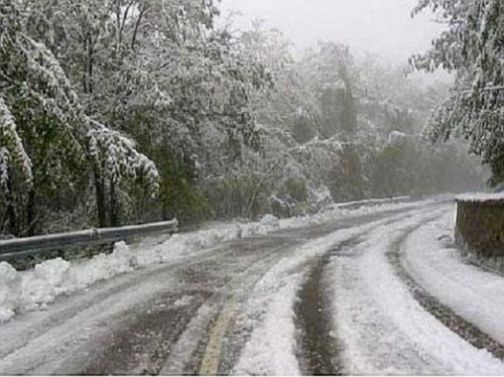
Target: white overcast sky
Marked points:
382	27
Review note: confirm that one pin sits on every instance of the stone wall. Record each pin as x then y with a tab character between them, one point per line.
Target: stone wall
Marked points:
480	230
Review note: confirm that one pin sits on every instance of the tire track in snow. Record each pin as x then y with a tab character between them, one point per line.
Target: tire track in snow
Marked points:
217	353
143	347
443	313
319	352
273	347
145	341
381	326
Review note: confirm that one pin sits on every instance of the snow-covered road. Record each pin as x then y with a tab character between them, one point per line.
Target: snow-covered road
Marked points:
364	293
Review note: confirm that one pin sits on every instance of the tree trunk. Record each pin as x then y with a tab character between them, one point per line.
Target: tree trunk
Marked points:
137	26
30	213
90	68
101	206
11	211
114	205
118	28
88	64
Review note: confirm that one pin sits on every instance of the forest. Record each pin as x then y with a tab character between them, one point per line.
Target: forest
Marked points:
118	112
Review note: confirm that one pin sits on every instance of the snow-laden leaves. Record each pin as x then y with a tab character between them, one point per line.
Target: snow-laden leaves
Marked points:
12	151
118	157
237	127
473	47
45	131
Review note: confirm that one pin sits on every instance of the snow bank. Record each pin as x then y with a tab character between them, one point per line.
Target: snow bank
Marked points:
41	285
9	291
474	294
35	289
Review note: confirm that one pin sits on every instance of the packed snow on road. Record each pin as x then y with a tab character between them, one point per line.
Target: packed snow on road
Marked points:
244	310
35	289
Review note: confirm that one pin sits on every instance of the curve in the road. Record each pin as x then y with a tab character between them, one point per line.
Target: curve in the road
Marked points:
381	326
465	329
318	351
217	352
267	351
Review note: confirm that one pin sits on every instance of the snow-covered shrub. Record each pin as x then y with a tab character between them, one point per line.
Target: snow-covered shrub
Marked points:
296	188
319	198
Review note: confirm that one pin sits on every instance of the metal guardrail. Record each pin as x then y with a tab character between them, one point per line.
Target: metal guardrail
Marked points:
33	245
373	202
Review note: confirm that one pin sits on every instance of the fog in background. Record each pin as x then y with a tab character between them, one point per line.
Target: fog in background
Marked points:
381	27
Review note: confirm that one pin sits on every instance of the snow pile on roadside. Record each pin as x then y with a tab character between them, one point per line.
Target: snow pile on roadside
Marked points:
36	288
101	267
270	220
42	284
474	294
9	285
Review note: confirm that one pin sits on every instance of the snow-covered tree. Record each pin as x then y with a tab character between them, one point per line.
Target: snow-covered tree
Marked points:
473	47
279	104
161	72
330	72
45	131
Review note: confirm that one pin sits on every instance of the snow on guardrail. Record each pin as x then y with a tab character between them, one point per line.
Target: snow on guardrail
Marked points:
32	245
481	197
359	203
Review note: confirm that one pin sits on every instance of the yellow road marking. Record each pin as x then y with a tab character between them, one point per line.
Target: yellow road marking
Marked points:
211	357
